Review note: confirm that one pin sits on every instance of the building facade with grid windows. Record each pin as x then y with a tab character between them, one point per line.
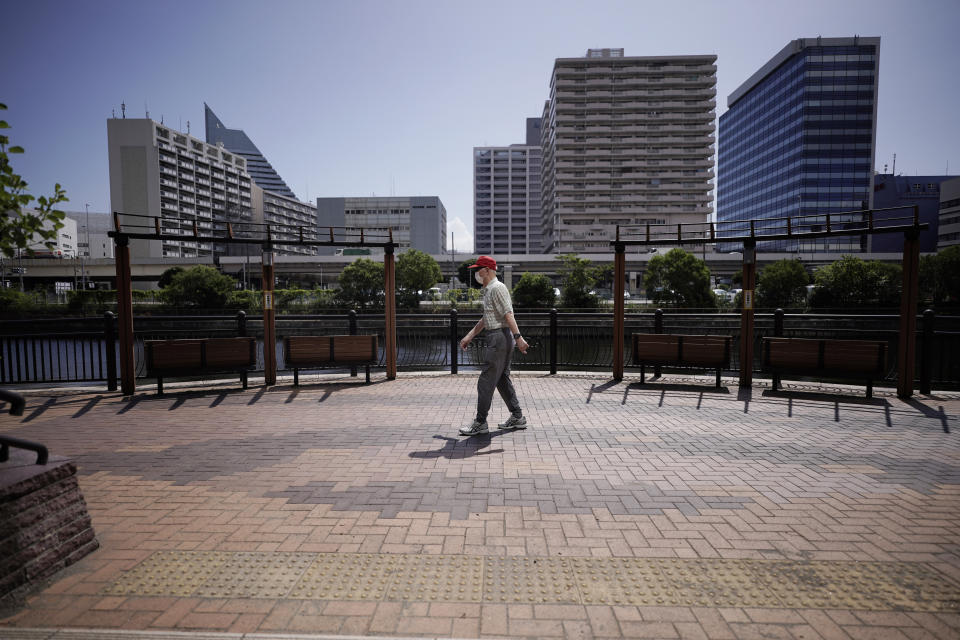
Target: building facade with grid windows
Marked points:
798	138
948	231
626	140
506	196
417	222
156	171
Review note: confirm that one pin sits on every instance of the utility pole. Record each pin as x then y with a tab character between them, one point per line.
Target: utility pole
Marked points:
87	254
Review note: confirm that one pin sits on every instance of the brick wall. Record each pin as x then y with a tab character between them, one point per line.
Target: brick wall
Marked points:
44	524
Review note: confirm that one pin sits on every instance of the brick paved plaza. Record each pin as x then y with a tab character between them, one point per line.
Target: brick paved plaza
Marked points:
668	510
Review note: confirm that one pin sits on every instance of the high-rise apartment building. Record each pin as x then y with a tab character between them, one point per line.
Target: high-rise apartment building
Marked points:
626	140
418	222
798	138
236	141
506	196
159	172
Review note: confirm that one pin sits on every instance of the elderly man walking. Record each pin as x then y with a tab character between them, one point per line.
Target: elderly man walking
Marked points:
500	330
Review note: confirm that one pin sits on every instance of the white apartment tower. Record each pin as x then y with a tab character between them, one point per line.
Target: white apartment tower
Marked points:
626	140
159	172
506	196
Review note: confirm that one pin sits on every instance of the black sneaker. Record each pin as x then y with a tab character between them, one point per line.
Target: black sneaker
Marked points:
476	428
513	422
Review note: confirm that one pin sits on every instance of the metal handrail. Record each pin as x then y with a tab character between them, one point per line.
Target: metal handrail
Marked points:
17	405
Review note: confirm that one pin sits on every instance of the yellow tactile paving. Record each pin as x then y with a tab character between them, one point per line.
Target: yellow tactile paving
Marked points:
875	586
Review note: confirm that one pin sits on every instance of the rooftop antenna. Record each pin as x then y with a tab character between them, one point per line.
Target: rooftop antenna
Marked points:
894	172
146	110
123	110
188	127
113	113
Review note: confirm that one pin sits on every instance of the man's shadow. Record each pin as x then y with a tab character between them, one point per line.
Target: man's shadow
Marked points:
460	447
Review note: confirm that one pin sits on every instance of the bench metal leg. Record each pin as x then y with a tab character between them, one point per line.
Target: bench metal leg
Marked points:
643	374
776	382
869	388
718	377
243	379
367	367
296	377
159	385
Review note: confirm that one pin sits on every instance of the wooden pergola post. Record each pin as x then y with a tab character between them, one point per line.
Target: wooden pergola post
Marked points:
746	313
269	320
390	310
128	370
619	273
907	347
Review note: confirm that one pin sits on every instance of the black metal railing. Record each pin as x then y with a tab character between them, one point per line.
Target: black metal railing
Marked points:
85	349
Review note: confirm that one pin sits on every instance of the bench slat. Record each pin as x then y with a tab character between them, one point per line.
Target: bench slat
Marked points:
230	353
173	354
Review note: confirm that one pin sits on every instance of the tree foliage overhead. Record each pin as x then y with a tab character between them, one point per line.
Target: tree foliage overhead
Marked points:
533	291
20	227
852	282
782	284
416	271
200	286
577	281
361	285
679	278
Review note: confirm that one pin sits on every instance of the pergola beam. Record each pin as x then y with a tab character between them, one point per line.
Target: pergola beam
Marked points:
268	241
669	235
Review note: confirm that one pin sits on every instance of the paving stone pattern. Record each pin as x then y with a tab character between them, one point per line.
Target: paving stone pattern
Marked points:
802	488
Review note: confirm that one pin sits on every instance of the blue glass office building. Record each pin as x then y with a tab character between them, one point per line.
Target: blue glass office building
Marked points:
236	141
798	138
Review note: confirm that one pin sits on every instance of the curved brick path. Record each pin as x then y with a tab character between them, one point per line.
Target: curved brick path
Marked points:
665	511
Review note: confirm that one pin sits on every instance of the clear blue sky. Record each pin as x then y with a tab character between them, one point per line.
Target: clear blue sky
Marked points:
389	97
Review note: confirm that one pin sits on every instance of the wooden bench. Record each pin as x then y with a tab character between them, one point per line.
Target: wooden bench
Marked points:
200	356
828	358
312	352
673	350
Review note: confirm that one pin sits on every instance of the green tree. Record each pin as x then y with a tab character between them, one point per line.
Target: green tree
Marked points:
577	281
20	227
361	285
940	276
200	286
533	291
949	271
603	276
931	289
167	276
854	283
679	278
465	275
416	271
782	284
12	302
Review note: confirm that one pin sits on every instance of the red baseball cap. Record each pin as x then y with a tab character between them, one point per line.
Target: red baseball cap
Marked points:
484	261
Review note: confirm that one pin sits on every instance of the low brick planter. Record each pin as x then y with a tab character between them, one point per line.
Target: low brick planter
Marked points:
44	523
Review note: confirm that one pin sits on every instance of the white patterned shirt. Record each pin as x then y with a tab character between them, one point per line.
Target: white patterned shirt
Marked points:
496	305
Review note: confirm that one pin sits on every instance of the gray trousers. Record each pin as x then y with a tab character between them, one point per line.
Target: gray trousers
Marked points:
495	373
